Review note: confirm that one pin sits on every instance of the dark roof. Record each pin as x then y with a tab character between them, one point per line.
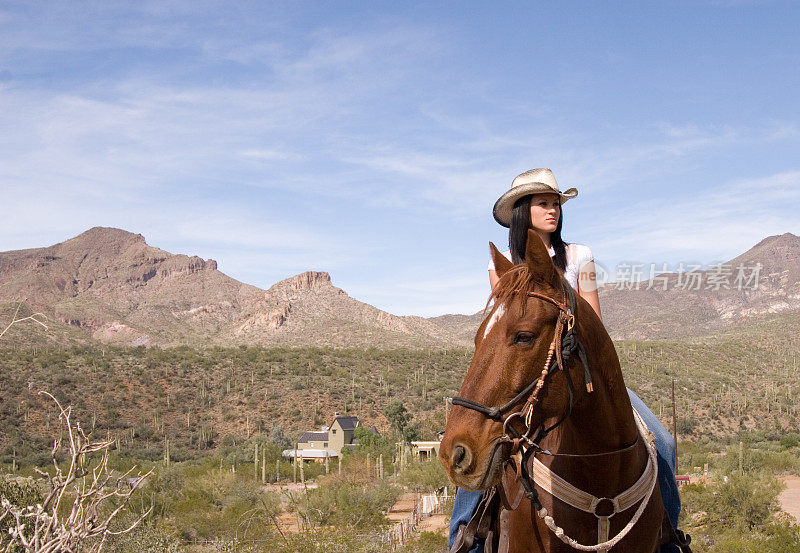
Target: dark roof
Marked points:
347	423
313	436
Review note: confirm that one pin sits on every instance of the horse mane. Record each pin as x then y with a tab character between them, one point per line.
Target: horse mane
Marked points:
517	280
520	280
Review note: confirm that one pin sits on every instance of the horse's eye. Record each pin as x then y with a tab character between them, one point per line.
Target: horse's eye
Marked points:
524	338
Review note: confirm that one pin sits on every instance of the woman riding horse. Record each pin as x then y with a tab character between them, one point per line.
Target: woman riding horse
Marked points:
534	203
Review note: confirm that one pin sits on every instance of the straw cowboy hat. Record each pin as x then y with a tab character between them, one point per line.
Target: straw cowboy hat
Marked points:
535	181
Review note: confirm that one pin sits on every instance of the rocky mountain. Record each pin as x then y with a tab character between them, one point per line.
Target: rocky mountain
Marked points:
763	281
109	285
463	326
307	309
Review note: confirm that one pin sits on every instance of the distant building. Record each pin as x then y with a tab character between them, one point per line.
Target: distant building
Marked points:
425	451
341	432
328	442
313	440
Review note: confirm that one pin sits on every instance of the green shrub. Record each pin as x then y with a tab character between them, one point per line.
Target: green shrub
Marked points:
223	505
328	541
780	536
755	461
147	539
371	444
347	503
21	492
686	425
428	542
743	503
425	476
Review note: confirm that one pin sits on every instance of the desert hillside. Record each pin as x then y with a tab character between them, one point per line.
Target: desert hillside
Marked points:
109	286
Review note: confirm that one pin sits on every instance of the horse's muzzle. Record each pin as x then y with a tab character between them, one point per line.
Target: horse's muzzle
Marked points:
466	473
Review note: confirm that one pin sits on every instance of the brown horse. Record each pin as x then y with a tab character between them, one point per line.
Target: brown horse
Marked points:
595	445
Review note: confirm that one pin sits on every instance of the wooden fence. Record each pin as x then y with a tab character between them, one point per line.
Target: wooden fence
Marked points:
402	531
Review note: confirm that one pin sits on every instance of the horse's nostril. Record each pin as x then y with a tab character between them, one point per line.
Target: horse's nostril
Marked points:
461	457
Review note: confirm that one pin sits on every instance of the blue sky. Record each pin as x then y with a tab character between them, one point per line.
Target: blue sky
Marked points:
371	139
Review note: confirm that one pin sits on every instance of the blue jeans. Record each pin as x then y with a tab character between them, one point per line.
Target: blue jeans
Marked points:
466	502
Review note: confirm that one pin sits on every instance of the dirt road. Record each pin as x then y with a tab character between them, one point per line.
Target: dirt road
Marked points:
435	523
402	509
405	505
790	497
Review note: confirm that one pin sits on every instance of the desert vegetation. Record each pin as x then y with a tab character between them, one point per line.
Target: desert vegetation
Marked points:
222	504
196	417
736	509
75	505
215	400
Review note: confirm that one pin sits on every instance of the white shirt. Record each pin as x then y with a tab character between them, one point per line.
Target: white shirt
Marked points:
578	255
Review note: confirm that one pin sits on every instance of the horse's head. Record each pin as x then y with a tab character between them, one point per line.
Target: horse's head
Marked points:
511	349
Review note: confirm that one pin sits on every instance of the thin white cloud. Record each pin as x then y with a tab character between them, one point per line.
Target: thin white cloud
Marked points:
137	132
72	27
271	155
444	171
215	140
434	293
241	229
707	226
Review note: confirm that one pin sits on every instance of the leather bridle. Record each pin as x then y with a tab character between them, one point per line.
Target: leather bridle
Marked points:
565	343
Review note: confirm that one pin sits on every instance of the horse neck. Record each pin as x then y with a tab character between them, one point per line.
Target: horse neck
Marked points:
601	421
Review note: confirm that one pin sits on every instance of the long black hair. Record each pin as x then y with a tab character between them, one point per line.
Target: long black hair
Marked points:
518	234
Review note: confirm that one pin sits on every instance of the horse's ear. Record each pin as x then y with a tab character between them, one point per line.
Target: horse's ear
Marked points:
540	264
501	262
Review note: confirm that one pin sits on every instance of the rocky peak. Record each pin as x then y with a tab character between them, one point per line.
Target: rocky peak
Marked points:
106	234
315	282
310	280
778	255
781	247
103	242
112	231
780	240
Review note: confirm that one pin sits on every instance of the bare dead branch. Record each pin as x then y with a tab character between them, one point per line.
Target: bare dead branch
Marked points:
34	317
87	490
